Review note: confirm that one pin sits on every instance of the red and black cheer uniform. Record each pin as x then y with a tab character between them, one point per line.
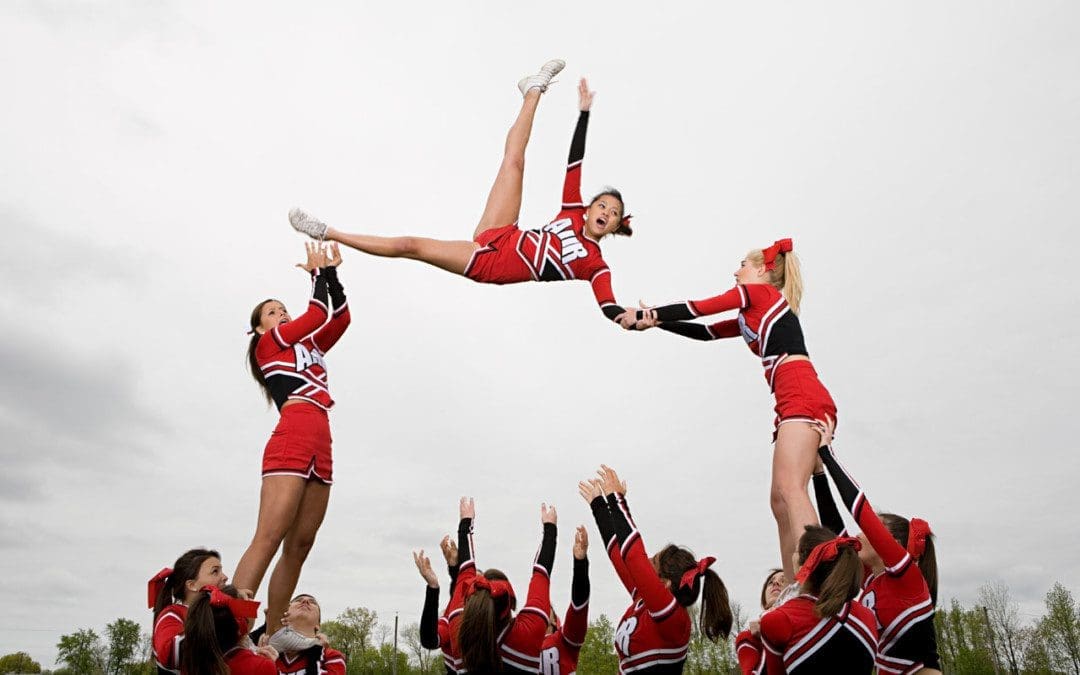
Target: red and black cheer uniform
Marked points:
798	641
435	631
562	647
654	633
168	634
242	661
750	652
559	251
773	333
291	358
898	596
320	661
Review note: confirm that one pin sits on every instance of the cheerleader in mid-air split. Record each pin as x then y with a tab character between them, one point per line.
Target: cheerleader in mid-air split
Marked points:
767	294
566	248
286	359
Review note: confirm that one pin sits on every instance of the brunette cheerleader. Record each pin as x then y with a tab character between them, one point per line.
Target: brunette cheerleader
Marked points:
286	358
767	295
304	617
435	631
566	248
900	586
170	593
654	633
563	642
215	636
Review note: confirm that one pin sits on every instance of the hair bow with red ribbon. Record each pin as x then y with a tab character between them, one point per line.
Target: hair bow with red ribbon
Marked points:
241	609
496	587
691	575
825	552
918	531
625	222
154	586
779	246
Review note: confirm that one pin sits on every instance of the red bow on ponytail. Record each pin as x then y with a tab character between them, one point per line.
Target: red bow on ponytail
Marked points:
779	246
496	587
240	609
691	575
624	224
918	531
154	586
824	553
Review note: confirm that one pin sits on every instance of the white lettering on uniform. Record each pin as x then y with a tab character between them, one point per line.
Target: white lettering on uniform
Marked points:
549	661
572	248
305	358
622	635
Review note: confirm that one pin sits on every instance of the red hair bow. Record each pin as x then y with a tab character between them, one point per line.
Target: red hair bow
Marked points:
779	246
241	609
625	222
691	575
496	587
824	553
154	586
918	531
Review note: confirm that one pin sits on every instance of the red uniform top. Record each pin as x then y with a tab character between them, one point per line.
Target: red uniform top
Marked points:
243	661
766	323
168	634
750	652
562	647
559	251
653	635
329	662
799	641
898	595
291	354
520	641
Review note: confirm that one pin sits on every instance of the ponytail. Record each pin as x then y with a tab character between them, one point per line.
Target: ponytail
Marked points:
476	634
900	527
186	568
836	581
209	633
786	275
716	618
253	362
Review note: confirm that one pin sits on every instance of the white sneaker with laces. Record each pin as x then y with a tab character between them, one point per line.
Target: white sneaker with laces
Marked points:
542	79
307	224
288	640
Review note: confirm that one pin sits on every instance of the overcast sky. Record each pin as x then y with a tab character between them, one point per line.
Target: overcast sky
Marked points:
923	156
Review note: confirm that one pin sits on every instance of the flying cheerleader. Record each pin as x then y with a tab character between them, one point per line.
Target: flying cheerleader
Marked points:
500	252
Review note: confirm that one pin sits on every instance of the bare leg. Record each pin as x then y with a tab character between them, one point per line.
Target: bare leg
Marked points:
278	503
452	256
294	551
793	462
504	200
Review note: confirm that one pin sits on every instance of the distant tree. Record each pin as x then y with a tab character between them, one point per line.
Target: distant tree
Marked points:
963	640
351	632
1061	628
597	656
123	636
380	661
19	662
1004	617
82	652
427	661
705	656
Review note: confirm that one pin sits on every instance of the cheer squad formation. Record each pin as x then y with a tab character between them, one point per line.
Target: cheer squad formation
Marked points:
835	604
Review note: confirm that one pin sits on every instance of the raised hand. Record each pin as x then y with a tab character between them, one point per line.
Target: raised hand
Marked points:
449	550
548	515
467	508
316	257
610	480
334	258
584	95
590	490
581	542
423	565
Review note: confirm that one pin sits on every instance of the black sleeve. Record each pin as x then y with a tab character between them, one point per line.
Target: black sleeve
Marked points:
257	634
577	145
695	331
827	511
679	311
847	488
579	586
546	557
429	619
464	537
602	515
452	570
333	285
612	311
620	516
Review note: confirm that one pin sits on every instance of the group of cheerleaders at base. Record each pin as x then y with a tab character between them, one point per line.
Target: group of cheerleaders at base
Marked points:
806	633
